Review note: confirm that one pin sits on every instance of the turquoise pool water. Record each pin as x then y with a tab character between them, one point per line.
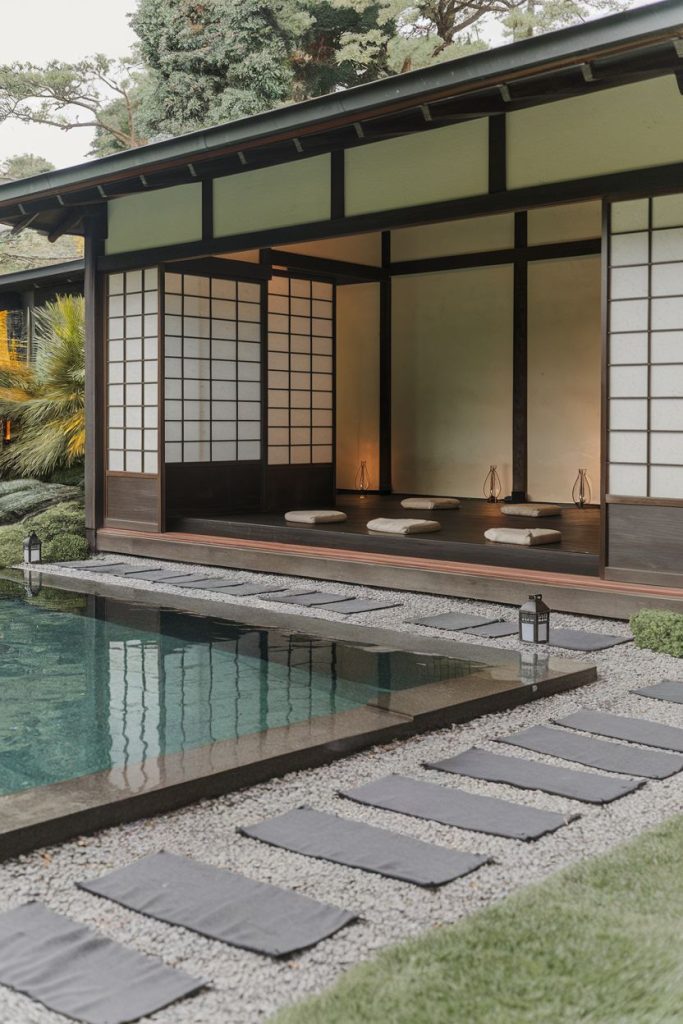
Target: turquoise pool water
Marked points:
87	683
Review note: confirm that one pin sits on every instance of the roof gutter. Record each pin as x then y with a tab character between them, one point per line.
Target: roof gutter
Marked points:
617	33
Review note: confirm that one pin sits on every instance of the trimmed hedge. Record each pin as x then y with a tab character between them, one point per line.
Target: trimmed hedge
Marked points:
659	631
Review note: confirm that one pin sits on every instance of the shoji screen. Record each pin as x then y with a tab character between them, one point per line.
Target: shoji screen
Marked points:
300	372
645	453
133	372
212	369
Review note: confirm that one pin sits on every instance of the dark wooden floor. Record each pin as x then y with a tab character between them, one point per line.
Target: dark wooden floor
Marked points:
461	538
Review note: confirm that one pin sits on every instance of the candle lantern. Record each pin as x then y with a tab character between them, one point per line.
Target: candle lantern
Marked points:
492	485
363	478
581	491
32	550
534	621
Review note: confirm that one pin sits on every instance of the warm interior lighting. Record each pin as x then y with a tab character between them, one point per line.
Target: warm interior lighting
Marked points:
492	485
363	478
7	431
581	491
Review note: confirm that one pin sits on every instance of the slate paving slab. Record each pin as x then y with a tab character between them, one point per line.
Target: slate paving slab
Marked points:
457	807
581	640
456	621
602	754
356	605
518	771
669	689
620	727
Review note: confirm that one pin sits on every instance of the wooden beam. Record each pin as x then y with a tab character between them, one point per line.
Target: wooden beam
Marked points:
625	184
338	269
63	226
497	154
519	364
207	209
338	185
95	404
385	447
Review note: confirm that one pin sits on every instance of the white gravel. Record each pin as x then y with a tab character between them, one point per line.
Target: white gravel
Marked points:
245	987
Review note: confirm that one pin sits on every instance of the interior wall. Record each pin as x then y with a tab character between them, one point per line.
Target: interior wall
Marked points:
564	375
452	380
357	383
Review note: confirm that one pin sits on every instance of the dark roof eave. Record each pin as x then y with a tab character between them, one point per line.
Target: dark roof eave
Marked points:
661	19
59	272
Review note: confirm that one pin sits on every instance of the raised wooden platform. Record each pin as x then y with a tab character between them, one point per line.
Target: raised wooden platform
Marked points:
461	538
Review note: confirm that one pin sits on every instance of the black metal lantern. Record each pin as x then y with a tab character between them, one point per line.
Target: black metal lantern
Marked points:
33	583
534	621
32	550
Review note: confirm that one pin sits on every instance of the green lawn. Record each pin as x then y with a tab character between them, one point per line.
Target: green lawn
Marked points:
600	943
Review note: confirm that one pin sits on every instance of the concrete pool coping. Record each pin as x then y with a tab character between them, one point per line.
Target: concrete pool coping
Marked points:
51	814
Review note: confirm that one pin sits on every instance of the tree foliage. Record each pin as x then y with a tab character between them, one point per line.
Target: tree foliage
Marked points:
47	400
25	165
203	62
78	95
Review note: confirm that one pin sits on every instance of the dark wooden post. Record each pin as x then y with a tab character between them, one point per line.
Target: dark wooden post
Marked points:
95	404
385	370
519	362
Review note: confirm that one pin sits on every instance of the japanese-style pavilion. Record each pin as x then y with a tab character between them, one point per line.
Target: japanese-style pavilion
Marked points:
475	264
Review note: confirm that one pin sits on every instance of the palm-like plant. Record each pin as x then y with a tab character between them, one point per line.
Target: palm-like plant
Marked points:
47	400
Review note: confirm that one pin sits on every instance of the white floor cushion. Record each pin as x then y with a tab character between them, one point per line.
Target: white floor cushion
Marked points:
430	503
506	535
403	526
532	510
312	516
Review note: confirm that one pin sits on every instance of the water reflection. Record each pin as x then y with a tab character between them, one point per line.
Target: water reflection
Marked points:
88	684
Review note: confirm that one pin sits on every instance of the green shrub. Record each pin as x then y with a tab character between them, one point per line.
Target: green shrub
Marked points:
11	544
659	631
61	530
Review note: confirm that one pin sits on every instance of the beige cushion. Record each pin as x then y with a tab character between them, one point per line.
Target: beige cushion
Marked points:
532	510
316	516
506	535
403	526
430	503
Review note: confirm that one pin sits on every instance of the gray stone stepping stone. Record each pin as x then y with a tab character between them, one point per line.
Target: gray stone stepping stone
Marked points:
601	754
619	727
668	689
357	845
310	599
517	771
494	629
221	904
92	565
112	568
205	583
456	807
356	605
579	640
252	589
154	575
73	970
455	621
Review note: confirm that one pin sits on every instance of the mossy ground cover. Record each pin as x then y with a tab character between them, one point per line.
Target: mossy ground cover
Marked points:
600	943
659	631
60	528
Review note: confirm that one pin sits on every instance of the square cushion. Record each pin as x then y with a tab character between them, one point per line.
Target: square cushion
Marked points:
430	503
506	535
532	510
312	516
403	526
